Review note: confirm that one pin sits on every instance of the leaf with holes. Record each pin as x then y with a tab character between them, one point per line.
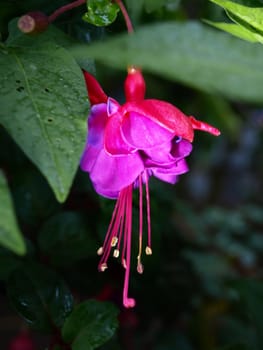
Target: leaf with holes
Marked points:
10	235
44	107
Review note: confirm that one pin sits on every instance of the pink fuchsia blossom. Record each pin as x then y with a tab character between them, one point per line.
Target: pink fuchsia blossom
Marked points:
126	145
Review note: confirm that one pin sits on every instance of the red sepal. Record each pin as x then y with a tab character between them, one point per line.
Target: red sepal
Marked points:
198	125
95	91
134	85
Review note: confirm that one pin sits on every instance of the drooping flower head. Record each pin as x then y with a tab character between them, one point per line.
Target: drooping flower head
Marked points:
126	145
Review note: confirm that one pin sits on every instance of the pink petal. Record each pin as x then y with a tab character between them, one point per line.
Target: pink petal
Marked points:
170	174
143	133
110	174
114	142
167	153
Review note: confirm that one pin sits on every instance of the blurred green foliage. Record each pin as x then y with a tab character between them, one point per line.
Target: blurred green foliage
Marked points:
202	288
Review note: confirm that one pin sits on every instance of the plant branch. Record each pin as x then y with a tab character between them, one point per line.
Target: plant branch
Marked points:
126	16
65	8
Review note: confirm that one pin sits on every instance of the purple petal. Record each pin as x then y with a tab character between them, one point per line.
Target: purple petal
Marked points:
112	106
89	158
170	173
167	154
170	178
181	149
110	174
96	124
143	133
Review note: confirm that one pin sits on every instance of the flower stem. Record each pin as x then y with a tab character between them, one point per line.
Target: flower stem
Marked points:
126	16
65	8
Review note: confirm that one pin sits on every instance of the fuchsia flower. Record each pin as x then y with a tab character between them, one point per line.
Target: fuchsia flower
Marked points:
126	145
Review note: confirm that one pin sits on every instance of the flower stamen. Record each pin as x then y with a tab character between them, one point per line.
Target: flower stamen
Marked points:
148	249
128	302
139	269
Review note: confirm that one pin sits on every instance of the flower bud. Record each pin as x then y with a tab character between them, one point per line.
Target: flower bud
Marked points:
134	85
33	22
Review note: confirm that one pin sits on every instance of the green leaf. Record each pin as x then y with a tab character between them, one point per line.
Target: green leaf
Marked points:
39	296
10	234
42	88
19	39
190	53
239	31
250	15
34	201
66	237
90	325
101	12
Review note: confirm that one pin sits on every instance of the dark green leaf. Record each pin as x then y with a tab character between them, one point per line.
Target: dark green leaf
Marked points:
66	237
10	235
34	201
101	12
90	325
251	297
8	263
42	88
19	39
190	53
40	296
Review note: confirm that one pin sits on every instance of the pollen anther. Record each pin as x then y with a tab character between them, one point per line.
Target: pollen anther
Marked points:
140	267
148	251
100	251
103	267
124	263
114	241
116	253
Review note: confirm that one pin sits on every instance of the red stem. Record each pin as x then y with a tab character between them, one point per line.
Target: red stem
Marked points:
65	8
77	3
126	16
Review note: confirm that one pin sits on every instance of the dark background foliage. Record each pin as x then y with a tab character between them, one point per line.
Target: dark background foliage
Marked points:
202	288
